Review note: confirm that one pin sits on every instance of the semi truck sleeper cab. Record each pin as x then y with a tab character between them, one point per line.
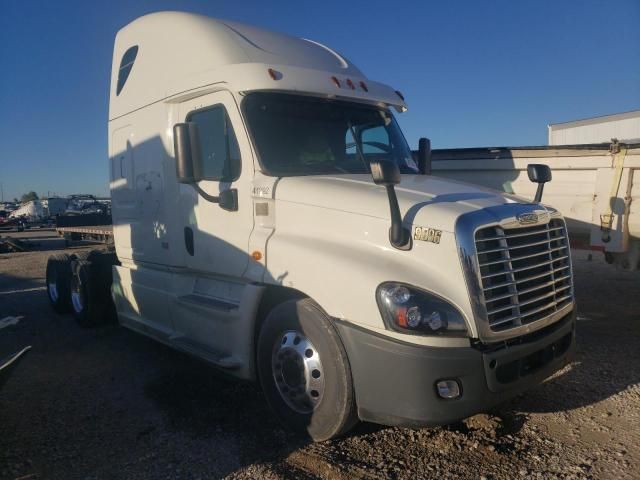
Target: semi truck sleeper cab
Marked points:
270	218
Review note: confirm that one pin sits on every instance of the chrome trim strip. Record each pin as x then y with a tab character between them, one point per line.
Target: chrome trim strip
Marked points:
532	312
544	285
503	284
500	297
502	309
524	245
524	269
516	235
532	277
538	298
522	257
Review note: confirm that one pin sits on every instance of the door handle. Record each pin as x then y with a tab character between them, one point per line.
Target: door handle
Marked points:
188	240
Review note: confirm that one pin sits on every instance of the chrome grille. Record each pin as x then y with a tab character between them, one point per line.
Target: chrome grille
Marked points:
525	273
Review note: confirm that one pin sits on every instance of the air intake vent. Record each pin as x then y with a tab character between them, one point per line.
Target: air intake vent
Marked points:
525	273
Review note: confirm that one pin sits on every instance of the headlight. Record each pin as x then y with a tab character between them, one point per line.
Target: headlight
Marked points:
409	310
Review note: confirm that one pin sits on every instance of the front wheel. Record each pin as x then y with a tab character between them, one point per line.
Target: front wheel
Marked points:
304	370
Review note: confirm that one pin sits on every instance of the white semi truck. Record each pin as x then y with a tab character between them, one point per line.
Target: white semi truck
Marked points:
269	218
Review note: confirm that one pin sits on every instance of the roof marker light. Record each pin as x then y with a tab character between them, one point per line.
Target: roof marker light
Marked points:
274	74
364	86
336	81
350	83
400	95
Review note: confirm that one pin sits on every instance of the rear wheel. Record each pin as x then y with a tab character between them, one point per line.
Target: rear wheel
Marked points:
304	370
58	278
89	293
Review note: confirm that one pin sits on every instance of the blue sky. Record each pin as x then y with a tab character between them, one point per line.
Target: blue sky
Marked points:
475	73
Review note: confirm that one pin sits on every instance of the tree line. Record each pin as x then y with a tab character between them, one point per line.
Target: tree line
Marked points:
26	197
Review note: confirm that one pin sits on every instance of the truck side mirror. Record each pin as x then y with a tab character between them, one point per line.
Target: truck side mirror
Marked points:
387	174
540	174
186	145
424	156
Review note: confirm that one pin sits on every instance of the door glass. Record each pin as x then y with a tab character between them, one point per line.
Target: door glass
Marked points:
218	144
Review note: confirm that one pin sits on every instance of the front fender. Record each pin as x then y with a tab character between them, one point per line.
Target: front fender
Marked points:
339	258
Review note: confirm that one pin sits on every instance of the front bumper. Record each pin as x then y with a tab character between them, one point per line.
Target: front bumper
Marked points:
395	382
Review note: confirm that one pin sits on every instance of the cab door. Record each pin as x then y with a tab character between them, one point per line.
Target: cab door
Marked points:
215	239
207	292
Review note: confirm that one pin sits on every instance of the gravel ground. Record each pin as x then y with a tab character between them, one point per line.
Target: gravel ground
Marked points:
108	403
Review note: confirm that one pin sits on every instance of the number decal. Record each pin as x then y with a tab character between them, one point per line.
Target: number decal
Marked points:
426	234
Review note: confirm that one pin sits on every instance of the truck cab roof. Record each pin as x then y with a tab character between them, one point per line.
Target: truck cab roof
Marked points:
167	54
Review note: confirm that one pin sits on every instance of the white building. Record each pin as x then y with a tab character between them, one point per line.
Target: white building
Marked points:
623	126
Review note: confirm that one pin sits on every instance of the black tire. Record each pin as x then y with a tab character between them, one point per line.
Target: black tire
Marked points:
335	413
90	299
104	263
58	282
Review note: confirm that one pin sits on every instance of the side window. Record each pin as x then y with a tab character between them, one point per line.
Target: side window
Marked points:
375	140
126	64
350	143
218	144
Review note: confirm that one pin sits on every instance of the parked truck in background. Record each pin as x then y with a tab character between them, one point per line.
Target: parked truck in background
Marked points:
269	218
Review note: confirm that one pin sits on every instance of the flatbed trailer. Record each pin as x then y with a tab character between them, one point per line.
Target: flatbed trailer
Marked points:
95	233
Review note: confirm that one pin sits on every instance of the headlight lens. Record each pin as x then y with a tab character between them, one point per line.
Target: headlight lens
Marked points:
409	310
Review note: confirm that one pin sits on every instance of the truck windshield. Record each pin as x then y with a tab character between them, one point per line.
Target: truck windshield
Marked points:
299	135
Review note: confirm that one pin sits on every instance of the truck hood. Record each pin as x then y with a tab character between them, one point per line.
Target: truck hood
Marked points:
424	200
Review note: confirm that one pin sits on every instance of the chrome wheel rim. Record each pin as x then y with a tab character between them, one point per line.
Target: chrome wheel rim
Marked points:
76	297
53	291
297	372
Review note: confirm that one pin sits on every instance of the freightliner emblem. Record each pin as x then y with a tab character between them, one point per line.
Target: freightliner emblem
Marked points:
527	218
427	234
